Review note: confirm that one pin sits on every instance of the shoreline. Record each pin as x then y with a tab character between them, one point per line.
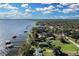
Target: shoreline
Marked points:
12	52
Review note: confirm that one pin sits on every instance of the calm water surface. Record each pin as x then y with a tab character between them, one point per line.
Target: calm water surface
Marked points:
9	28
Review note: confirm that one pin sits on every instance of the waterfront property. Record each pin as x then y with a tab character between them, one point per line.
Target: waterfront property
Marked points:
46	41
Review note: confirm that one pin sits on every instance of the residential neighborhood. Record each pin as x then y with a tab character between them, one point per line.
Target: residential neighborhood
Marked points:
49	40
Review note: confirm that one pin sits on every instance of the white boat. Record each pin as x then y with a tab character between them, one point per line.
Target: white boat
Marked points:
9	46
8	42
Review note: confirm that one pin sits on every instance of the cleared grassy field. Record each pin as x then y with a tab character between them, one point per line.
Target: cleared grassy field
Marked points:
67	48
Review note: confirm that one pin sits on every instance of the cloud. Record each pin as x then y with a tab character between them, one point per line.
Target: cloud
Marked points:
8	6
14	15
47	12
46	3
45	8
14	12
71	8
74	6
48	9
65	4
67	10
28	10
60	6
25	5
58	10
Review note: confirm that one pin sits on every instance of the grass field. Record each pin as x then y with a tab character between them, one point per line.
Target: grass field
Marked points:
67	48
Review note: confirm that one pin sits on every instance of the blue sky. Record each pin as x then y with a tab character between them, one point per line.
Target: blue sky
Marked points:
39	11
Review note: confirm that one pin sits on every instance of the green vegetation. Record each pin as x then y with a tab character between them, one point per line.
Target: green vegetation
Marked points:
48	38
47	52
65	47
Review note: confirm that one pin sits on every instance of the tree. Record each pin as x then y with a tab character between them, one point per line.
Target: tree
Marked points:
64	40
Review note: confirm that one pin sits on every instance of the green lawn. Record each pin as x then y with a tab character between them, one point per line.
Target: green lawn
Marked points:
47	52
65	47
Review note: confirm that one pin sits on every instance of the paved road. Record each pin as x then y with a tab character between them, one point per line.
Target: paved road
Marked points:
77	45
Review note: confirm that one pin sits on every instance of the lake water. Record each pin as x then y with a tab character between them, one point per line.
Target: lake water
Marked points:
9	28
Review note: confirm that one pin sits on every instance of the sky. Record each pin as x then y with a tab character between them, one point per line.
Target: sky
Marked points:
39	10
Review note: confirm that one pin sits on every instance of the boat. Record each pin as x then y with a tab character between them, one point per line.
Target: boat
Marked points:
10	46
14	36
25	31
8	42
